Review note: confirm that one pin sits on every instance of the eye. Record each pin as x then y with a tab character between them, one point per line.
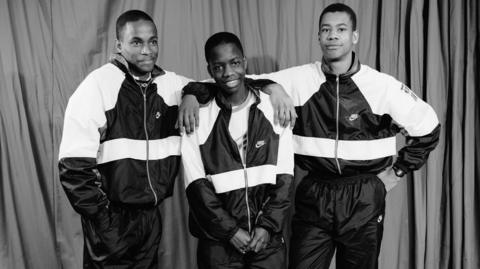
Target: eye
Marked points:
342	29
154	42
136	43
217	68
236	63
325	30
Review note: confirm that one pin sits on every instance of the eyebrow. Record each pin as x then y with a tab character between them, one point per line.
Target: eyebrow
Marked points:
340	24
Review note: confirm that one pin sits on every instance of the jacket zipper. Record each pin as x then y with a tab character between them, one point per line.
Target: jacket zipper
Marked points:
246	188
336	125
143	88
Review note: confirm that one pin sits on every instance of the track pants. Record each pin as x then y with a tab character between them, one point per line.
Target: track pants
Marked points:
122	237
345	214
217	255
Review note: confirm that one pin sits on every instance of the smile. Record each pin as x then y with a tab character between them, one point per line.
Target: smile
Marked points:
231	83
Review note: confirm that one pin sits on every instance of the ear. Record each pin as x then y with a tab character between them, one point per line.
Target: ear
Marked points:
118	46
209	72
355	37
245	63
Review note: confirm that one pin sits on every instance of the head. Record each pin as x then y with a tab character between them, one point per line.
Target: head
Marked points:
226	62
337	33
137	41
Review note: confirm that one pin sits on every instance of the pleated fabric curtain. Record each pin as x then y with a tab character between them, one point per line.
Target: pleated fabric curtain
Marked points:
47	47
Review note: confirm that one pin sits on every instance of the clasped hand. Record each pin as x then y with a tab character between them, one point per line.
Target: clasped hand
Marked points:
245	242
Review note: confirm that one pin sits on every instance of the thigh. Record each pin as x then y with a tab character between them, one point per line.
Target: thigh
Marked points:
273	256
122	238
218	255
360	217
362	247
310	246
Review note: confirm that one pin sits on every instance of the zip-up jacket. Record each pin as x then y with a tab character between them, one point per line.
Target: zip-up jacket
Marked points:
119	143
347	124
223	194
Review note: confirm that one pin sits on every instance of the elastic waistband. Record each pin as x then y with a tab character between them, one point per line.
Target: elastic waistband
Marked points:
338	179
146	206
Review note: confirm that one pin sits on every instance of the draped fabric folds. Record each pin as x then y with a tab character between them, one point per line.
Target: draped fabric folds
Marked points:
49	46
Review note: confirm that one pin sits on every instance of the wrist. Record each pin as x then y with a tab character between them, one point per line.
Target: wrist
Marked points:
398	171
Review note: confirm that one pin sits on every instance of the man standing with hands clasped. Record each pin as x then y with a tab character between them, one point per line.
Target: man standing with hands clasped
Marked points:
238	168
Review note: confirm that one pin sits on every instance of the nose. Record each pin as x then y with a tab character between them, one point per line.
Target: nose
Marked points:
332	35
227	71
146	50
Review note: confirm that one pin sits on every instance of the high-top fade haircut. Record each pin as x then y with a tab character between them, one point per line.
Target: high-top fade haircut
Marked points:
130	16
339	7
221	38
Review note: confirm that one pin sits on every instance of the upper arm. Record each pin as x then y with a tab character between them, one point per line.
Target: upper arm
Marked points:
192	159
84	116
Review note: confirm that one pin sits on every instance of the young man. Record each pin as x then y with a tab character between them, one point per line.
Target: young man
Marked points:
120	152
344	137
238	168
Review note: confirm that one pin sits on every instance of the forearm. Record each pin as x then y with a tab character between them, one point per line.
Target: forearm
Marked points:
276	209
415	154
208	210
79	179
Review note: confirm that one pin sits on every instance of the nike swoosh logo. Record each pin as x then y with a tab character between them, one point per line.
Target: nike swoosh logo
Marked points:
259	144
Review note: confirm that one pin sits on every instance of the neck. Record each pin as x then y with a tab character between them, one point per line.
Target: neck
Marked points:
143	77
339	66
238	97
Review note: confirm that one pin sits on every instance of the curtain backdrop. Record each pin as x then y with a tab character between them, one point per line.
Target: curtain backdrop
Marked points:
48	46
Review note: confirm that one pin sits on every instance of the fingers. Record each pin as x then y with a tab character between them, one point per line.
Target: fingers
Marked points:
293	117
190	123
253	244
285	115
179	123
197	117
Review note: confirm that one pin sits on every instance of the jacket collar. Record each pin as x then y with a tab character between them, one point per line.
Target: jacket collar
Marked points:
222	102
354	67
119	61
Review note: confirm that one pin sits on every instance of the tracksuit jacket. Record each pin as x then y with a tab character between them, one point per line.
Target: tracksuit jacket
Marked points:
223	194
119	143
347	124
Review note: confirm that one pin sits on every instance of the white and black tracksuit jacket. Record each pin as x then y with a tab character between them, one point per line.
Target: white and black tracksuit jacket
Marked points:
119	143
223	194
347	124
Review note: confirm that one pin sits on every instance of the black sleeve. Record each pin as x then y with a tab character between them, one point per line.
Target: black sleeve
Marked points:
80	180
258	84
415	153
208	210
276	207
204	91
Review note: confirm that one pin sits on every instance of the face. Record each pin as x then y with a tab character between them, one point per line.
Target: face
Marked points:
227	66
138	44
336	36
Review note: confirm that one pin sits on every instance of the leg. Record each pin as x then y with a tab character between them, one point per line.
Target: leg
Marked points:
360	215
126	238
218	255
273	256
312	245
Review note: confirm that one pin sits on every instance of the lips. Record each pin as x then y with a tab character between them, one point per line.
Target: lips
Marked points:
231	83
147	62
332	47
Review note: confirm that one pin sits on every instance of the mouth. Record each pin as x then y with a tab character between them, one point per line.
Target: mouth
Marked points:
147	62
231	83
332	47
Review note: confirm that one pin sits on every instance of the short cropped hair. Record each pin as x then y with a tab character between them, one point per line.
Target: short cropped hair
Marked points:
130	16
339	7
221	38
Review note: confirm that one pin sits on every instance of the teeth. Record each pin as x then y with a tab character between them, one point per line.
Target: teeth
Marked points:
232	83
